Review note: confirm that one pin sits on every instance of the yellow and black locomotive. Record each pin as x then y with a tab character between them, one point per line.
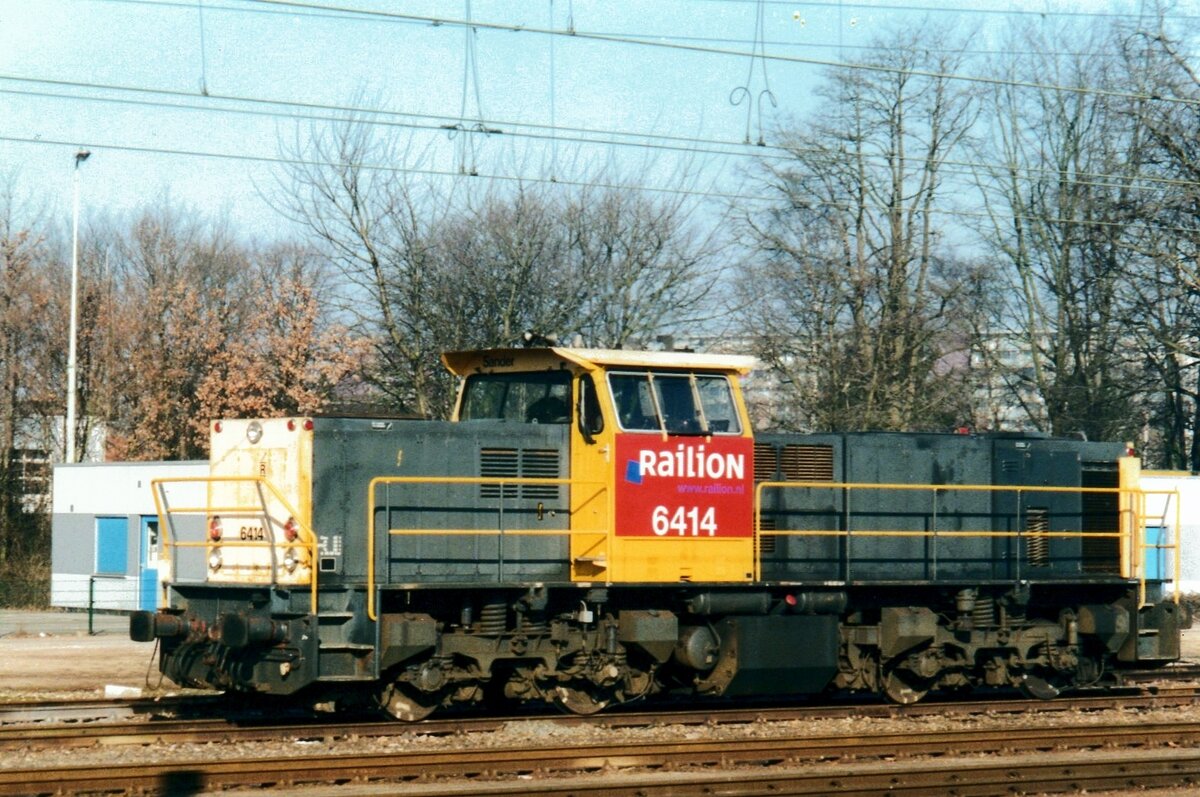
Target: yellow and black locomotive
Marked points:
598	526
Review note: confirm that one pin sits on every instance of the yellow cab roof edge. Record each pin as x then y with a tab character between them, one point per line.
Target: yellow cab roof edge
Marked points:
461	362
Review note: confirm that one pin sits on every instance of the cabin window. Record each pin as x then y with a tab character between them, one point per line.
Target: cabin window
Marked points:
674	402
539	397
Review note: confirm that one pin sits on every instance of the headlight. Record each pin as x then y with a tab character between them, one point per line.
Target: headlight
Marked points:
254	432
214	560
290	560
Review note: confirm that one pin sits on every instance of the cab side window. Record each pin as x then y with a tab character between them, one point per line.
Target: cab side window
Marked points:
539	397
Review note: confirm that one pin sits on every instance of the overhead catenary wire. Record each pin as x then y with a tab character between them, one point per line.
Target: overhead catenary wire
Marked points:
351	15
679	46
676	190
957	8
285	109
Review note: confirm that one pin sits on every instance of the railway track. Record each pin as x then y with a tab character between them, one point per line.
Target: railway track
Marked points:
1133	757
1158	682
254	727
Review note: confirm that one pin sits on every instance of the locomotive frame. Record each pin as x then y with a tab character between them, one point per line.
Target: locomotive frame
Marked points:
595	527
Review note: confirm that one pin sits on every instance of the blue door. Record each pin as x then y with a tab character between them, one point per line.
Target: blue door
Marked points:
148	566
112	537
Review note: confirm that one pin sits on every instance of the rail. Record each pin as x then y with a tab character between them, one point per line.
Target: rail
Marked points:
502	484
306	538
1130	536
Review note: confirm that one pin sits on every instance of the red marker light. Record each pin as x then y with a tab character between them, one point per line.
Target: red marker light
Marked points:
217	426
291	529
214	528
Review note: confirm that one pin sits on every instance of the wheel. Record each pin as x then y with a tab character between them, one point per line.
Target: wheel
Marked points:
579	701
407	704
904	688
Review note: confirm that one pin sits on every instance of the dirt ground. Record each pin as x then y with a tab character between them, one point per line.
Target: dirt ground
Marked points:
50	654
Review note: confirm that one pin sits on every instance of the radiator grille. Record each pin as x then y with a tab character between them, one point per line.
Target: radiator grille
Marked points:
513	463
1101	512
767	542
498	463
1037	545
807	463
539	463
766	462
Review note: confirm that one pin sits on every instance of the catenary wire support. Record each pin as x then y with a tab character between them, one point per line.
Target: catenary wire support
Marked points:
203	53
553	136
467	162
745	92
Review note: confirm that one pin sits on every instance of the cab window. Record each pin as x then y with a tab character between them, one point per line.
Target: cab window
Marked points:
674	402
541	397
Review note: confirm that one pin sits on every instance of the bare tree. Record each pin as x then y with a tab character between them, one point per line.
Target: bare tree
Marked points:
1060	203
1165	310
856	299
431	266
640	264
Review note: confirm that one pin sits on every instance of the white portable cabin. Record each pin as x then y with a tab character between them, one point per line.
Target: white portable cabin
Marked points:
1173	505
104	533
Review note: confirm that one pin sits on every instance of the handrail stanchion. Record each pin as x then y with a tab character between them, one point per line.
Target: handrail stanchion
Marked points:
934	545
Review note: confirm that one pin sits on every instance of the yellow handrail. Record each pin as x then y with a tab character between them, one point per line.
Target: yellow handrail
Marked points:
1132	539
1170	505
500	481
307	539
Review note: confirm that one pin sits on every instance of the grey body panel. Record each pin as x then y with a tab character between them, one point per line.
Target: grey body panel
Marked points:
349	453
925	459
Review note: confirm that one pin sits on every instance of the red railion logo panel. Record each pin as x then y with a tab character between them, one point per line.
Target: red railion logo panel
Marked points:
684	486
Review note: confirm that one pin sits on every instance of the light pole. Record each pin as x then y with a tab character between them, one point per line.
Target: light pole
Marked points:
80	157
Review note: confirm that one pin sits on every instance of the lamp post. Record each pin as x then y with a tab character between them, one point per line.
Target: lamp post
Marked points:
80	157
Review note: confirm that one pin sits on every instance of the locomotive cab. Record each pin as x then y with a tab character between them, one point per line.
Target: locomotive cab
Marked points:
661	452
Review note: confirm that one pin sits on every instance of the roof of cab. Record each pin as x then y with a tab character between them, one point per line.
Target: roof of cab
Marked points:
462	363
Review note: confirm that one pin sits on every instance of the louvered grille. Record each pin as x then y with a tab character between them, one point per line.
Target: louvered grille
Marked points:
1037	523
1010	466
807	463
766	542
512	463
498	463
1100	513
540	464
766	462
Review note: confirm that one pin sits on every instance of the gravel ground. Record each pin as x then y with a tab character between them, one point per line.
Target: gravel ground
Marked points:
53	656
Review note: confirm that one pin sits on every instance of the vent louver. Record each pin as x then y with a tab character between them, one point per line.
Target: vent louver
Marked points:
513	463
766	462
1037	523
807	463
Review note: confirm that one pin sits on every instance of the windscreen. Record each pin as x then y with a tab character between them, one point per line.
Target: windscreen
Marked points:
674	402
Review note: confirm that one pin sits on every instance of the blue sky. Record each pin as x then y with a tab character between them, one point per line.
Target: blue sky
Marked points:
270	56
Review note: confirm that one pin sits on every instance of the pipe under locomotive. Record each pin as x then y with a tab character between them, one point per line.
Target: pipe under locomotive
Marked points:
595	527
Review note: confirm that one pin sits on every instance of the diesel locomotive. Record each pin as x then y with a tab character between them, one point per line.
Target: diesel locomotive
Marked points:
594	527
